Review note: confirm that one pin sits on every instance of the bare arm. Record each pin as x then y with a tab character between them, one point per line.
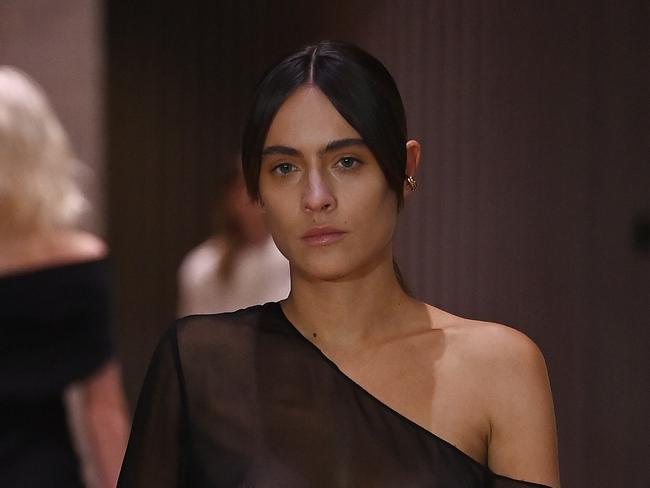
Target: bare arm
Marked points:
98	416
523	440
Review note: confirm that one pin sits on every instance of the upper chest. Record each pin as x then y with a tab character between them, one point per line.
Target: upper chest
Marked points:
431	382
282	413
293	395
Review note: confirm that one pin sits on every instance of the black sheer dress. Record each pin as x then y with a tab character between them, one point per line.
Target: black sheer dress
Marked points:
54	330
244	400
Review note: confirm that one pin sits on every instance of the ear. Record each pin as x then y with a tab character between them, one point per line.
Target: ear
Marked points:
412	161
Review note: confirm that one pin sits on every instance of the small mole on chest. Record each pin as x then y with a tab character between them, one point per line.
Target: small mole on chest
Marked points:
314	334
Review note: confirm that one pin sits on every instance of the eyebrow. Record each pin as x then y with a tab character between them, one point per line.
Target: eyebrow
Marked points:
340	144
330	147
280	149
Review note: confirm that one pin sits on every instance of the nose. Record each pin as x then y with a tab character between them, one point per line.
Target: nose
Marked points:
317	194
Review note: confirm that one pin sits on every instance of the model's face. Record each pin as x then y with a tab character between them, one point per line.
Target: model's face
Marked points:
327	202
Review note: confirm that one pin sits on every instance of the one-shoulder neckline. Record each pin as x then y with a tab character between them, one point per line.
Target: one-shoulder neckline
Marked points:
51	268
387	407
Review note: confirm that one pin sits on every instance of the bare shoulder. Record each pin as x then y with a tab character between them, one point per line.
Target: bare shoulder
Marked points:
51	248
490	345
507	366
76	245
510	365
509	372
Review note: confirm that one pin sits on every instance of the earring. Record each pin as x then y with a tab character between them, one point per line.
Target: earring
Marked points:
410	181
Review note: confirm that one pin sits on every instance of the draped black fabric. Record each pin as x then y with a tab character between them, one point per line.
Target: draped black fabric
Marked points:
244	400
54	326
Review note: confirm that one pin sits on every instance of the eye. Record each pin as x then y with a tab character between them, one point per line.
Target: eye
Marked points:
348	162
283	168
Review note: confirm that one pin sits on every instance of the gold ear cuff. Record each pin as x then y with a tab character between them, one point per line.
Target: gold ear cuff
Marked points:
410	181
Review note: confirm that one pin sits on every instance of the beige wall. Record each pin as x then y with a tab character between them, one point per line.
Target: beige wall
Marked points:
60	44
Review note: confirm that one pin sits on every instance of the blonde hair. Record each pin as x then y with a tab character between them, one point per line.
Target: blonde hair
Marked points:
37	167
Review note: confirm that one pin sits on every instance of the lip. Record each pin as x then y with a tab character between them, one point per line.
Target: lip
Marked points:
322	235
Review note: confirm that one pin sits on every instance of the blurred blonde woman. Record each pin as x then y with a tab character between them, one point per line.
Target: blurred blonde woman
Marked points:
62	410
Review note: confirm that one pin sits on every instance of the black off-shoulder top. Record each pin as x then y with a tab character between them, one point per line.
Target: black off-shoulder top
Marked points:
54	331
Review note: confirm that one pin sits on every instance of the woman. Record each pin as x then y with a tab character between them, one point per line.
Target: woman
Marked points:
350	381
62	410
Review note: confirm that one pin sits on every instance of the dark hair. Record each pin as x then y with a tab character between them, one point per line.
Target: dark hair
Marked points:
360	88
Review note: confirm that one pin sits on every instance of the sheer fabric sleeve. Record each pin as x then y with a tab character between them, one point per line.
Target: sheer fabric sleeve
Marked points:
156	452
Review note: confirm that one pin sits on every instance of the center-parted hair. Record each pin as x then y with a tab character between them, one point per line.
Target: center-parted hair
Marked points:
358	86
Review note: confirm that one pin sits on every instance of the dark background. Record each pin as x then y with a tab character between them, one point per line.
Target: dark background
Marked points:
533	116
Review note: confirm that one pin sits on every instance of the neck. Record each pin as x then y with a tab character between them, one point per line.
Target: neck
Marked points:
348	313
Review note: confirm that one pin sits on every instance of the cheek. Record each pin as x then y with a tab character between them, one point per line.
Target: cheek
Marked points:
372	217
376	206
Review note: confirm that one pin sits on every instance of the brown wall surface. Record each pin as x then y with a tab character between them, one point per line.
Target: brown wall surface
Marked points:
534	122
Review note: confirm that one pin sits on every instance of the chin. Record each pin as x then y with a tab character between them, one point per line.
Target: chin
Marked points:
325	269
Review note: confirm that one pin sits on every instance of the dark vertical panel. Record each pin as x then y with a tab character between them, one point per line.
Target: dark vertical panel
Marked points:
616	278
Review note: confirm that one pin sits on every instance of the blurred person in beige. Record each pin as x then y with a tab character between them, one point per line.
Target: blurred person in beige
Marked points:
237	267
63	420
